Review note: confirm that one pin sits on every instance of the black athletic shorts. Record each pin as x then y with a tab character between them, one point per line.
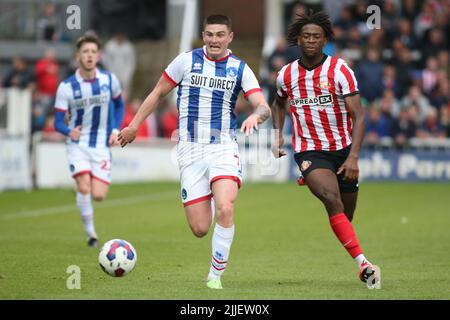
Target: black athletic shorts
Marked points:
307	161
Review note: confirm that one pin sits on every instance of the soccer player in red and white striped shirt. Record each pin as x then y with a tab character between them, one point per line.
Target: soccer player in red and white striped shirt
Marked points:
321	94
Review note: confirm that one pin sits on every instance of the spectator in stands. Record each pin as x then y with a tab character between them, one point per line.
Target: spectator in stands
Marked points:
169	122
376	39
429	76
389	105
47	80
19	76
48	130
278	53
334	8
389	18
444	64
147	129
370	76
441	96
269	87
39	112
433	43
424	19
409	10
377	125
120	58
390	81
404	68
405	34
405	128
354	40
48	27
342	26
445	120
47	74
359	12
417	99
431	127
360	16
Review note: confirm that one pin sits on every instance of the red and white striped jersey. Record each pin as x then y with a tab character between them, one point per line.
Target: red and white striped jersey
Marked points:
320	119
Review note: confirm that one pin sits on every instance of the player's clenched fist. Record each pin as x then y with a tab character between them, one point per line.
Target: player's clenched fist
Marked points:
126	135
277	150
75	133
113	138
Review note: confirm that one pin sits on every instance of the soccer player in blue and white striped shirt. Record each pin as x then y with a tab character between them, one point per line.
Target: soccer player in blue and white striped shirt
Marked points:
92	98
209	80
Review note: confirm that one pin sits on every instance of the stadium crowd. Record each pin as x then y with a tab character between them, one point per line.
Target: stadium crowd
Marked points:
402	68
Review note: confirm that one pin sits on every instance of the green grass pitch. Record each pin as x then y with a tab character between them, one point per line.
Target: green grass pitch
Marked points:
283	247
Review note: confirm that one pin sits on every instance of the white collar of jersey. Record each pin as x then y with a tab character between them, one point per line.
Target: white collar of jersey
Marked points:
81	79
221	59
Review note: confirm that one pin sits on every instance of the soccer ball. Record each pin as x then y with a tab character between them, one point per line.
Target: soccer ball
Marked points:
117	258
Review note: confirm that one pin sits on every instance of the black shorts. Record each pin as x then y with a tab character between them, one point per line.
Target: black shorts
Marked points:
307	161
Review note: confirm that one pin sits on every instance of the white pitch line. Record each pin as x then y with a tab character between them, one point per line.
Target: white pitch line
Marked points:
73	208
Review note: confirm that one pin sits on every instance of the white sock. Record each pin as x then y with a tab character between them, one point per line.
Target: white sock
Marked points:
213	211
360	259
221	244
84	203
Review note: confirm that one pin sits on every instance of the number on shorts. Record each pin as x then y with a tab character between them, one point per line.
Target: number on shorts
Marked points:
105	165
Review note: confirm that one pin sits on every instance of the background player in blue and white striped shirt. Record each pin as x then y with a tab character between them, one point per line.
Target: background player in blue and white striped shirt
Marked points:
209	80
92	98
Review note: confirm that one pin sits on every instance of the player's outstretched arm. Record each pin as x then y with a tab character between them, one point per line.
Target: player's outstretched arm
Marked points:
278	115
350	166
261	114
128	134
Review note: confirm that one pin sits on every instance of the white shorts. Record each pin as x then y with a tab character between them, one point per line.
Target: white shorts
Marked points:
95	161
202	164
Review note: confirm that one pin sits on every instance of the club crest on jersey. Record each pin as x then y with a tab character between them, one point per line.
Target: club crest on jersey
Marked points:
232	72
305	165
77	94
197	66
324	85
104	88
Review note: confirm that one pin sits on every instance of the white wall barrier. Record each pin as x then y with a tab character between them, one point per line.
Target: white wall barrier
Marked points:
15	167
149	162
134	163
157	162
18	112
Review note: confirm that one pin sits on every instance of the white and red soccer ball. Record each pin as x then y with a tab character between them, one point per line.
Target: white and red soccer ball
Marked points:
117	258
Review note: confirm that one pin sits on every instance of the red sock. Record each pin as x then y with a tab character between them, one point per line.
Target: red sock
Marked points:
343	229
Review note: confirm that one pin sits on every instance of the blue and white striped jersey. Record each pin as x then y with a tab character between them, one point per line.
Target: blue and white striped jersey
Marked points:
90	104
207	94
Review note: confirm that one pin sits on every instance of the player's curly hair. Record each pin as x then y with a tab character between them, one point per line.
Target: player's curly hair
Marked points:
319	18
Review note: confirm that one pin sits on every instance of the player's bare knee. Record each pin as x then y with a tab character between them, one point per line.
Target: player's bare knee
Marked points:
330	198
84	188
225	209
200	230
224	213
99	197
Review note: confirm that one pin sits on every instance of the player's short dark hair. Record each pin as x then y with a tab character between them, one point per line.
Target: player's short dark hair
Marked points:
88	39
217	19
319	18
